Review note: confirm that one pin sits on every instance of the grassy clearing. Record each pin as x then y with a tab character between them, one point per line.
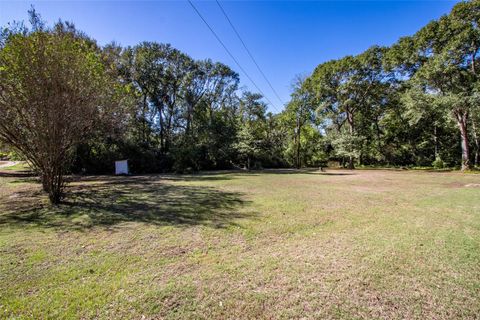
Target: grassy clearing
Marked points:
276	244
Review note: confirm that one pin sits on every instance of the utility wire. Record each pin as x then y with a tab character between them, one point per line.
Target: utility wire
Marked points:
230	54
248	51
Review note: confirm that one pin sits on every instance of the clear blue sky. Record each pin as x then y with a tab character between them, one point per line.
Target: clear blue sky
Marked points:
286	38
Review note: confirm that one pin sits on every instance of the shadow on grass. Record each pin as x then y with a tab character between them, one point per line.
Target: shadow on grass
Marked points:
17	174
315	171
154	199
109	201
332	173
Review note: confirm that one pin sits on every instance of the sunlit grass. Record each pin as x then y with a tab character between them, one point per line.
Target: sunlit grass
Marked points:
20	166
274	244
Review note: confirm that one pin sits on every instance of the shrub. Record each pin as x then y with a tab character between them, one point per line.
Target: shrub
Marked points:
438	163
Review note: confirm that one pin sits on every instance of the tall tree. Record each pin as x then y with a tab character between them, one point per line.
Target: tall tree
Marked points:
53	88
449	73
300	112
346	87
253	129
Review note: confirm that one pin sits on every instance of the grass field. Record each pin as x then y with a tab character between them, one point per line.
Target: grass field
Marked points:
274	244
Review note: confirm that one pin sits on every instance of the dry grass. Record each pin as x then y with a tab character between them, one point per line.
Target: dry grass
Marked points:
274	244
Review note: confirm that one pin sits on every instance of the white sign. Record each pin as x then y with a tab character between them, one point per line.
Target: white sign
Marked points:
121	167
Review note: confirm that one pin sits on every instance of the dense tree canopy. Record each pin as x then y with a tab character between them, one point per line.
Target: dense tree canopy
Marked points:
68	104
399	103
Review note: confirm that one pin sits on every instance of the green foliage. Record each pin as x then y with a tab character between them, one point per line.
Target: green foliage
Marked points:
402	104
345	145
439	163
54	91
164	111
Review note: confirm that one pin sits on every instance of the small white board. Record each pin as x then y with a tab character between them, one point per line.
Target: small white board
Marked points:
121	167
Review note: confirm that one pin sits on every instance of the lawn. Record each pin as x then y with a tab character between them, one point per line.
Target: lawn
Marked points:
272	244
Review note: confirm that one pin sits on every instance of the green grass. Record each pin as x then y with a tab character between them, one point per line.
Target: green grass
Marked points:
274	244
21	166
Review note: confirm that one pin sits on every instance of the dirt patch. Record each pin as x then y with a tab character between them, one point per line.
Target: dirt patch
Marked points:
473	185
455	184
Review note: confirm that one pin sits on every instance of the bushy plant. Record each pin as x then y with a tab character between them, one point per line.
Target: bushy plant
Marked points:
438	163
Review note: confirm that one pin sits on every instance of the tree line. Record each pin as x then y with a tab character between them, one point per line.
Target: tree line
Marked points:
68	104
413	103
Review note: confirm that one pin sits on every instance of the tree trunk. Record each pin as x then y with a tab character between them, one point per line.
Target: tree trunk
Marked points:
351	165
162	129
477	142
144	120
189	120
299	164
298	155
435	141
168	131
462	117
53	184
379	140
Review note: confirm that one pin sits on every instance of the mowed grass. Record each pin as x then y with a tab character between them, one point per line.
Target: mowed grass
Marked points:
20	166
273	244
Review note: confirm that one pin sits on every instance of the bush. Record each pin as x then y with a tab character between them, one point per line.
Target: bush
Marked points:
185	159
438	163
99	158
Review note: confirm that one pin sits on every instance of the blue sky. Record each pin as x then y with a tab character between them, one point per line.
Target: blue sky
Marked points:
286	38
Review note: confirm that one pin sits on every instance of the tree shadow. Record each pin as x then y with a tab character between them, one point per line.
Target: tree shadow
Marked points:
110	201
200	176
17	174
315	171
332	173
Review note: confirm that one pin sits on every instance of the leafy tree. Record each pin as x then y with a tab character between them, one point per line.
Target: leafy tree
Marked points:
348	87
163	110
53	91
298	113
448	74
252	131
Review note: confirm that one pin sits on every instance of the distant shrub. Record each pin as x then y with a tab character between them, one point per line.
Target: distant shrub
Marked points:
438	163
333	164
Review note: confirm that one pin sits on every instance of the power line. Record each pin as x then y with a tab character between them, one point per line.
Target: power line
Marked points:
249	53
230	54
